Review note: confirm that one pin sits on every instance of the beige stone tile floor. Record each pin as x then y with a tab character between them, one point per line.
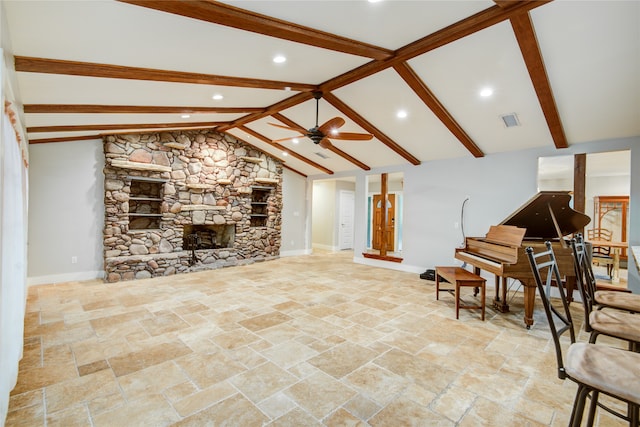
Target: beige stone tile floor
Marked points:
301	341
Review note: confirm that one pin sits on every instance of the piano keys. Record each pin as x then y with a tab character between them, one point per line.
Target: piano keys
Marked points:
546	216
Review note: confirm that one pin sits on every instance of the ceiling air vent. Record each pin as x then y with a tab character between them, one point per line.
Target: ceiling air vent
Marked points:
320	154
510	120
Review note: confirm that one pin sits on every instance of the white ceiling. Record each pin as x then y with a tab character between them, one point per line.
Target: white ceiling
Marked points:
590	51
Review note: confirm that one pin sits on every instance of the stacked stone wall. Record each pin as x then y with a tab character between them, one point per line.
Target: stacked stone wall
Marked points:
179	178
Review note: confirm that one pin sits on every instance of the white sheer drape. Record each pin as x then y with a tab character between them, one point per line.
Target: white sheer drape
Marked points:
13	281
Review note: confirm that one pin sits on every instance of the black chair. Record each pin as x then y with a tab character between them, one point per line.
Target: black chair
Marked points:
606	299
614	323
594	368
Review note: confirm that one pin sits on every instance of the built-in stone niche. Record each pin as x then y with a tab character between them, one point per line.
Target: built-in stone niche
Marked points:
159	186
197	237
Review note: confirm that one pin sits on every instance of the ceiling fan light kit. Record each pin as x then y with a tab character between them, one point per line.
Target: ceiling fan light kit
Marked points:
321	134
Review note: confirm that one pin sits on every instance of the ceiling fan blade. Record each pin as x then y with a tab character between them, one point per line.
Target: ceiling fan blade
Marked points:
291	138
331	124
296	129
325	143
351	136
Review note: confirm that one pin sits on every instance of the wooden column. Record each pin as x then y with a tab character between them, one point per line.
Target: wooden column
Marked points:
383	219
579	184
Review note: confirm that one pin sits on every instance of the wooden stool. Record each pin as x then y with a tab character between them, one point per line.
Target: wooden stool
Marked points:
461	277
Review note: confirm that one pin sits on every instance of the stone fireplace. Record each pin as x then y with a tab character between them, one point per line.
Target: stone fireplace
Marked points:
186	201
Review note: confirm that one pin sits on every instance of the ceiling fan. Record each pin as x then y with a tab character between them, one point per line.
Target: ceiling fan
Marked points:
328	130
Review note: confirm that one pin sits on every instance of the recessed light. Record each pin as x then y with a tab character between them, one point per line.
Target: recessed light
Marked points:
287	88
334	131
374	1
279	59
402	114
217	96
284	153
295	140
486	92
185	116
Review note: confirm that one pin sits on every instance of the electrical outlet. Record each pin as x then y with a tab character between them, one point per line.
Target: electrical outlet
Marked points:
74	260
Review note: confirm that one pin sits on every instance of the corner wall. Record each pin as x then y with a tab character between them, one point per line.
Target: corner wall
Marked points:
66	212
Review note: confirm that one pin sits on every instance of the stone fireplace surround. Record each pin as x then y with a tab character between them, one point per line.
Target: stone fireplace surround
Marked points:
157	185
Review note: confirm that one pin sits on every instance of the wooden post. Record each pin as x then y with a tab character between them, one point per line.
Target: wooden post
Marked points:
383	214
579	184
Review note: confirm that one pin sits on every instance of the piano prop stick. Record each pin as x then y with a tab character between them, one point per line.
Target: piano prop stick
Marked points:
546	216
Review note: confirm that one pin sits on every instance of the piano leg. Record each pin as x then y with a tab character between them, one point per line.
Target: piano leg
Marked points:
529	302
500	303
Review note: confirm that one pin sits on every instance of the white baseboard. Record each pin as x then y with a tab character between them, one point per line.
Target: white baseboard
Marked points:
295	252
388	264
325	247
67	277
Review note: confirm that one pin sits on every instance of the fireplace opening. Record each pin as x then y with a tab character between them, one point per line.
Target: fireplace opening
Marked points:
208	236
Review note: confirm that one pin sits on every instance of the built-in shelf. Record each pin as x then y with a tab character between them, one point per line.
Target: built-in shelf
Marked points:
124	164
252	159
185	208
259	204
200	186
145	201
150	199
176	145
266	180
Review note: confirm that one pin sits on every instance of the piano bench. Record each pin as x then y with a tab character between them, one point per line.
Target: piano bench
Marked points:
461	278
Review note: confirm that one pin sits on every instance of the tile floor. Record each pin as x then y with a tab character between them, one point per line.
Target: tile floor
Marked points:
302	341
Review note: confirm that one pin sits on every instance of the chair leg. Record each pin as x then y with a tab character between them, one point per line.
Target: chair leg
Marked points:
592	408
578	406
593	337
634	416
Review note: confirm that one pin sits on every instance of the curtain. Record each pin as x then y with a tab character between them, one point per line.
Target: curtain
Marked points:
13	243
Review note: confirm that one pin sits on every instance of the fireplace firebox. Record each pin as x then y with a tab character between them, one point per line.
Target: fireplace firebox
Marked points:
208	236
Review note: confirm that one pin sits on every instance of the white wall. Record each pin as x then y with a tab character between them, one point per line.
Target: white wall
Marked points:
294	214
323	215
496	185
433	194
66	211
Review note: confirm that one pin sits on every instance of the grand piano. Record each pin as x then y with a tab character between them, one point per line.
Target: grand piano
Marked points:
545	217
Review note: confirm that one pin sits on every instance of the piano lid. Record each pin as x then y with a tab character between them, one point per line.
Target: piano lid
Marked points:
536	217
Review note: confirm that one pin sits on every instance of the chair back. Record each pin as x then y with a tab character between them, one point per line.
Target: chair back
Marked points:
543	264
600	234
580	258
586	268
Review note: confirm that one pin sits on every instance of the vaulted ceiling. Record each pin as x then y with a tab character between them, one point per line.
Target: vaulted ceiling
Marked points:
568	70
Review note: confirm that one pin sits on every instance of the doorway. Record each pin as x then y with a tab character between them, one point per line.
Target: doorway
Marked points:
388	228
346	219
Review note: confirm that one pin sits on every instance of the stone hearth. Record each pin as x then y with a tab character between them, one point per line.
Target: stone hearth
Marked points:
162	187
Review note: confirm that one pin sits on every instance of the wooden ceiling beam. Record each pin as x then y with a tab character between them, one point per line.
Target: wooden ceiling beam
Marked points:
133	109
528	42
366	125
331	148
284	165
123	127
230	16
430	100
89	69
453	32
284	149
269	111
64	139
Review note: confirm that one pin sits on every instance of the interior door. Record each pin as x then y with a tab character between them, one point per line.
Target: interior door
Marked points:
347	208
389	229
